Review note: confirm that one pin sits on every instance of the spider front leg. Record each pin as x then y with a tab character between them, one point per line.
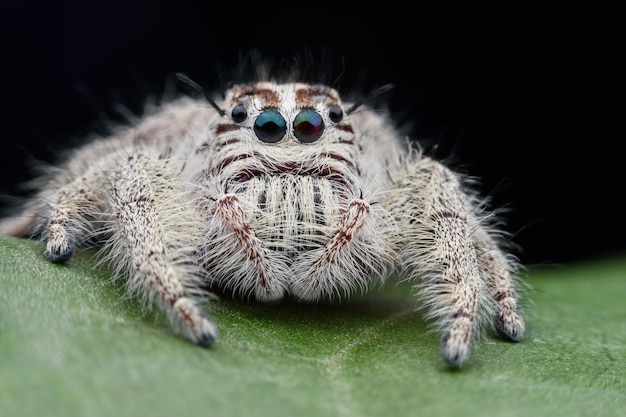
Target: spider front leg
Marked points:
258	271
350	258
447	250
151	236
69	216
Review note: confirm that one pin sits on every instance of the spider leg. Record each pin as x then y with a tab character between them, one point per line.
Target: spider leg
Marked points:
152	236
66	221
436	222
258	269
349	258
497	272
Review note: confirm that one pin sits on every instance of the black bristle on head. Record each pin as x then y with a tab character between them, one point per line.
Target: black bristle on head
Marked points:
377	92
191	83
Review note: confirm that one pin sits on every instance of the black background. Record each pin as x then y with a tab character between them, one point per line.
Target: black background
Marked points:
529	98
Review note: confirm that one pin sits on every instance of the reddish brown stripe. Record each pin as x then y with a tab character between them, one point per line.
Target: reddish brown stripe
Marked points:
225	143
345	141
322	170
345	127
340	158
247	175
205	146
289	168
268	97
223	127
305	97
232	159
309	97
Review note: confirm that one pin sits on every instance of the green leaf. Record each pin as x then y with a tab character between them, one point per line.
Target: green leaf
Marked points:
71	344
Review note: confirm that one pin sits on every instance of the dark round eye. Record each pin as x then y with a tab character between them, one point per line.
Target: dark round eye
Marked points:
335	113
270	127
239	113
308	126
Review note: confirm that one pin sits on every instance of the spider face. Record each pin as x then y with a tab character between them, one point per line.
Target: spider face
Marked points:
287	158
286	113
285	130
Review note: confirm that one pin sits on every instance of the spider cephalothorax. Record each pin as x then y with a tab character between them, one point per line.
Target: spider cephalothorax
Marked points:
278	190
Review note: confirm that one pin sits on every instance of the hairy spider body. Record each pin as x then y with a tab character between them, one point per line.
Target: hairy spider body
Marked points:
280	190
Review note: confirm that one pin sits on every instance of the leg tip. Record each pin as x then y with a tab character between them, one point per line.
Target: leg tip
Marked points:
511	330
207	333
59	255
453	354
198	326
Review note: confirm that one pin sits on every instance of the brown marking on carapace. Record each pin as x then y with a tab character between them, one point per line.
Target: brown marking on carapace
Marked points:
227	161
305	98
328	92
246	175
346	161
204	146
345	141
309	97
268	97
225	143
226	127
346	127
317	169
292	168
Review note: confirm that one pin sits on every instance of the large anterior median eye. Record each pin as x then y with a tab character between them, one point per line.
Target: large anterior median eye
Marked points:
308	126
270	127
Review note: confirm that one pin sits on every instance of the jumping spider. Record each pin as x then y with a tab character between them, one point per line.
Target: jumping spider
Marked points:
278	190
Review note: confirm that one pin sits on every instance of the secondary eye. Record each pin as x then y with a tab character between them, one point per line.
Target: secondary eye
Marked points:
308	126
270	127
335	113
239	113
